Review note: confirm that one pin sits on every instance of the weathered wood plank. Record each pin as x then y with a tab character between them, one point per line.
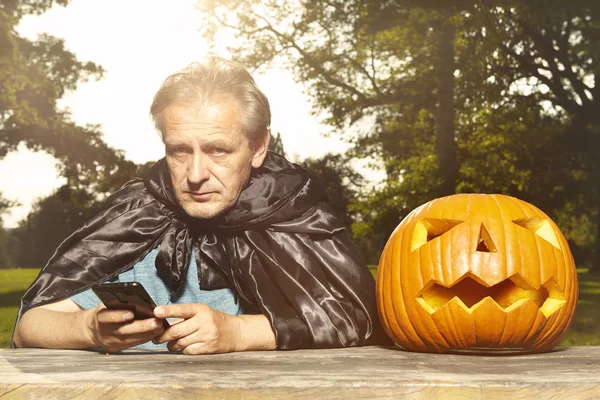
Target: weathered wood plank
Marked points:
367	372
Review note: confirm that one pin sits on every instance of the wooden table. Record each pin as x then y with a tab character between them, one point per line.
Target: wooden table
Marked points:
367	372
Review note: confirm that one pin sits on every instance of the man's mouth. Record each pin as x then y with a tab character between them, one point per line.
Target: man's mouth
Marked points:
200	195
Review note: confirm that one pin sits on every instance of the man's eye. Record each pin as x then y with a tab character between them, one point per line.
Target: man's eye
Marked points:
178	150
220	150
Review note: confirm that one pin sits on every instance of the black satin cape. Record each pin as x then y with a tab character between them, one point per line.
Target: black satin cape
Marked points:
282	251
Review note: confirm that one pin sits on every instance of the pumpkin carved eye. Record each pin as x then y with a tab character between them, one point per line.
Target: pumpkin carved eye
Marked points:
540	227
428	229
485	243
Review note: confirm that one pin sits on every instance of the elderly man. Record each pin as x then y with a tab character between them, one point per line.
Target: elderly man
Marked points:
231	241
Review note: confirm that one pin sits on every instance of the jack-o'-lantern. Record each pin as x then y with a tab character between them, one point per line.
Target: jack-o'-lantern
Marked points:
476	272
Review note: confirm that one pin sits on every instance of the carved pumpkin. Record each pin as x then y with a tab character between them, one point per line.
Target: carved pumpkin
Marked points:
476	272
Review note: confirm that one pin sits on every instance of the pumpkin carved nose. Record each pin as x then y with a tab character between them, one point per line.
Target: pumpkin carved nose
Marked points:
485	243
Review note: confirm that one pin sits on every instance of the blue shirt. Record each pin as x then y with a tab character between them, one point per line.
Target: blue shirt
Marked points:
157	287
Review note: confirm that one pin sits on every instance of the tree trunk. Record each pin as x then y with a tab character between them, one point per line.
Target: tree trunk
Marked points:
595	186
596	262
584	132
444	127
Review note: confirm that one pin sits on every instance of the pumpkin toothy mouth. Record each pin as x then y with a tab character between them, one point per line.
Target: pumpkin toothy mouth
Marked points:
509	294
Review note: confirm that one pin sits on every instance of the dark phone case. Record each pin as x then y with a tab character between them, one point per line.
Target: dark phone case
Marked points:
127	296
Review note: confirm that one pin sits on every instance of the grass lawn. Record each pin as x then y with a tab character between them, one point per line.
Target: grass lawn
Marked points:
13	283
585	329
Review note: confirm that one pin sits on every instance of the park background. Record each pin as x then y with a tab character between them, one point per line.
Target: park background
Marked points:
388	104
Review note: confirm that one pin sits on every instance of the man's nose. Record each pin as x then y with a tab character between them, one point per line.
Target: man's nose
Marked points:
198	170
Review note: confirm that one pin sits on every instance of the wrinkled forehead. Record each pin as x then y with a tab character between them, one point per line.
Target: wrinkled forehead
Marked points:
214	107
210	118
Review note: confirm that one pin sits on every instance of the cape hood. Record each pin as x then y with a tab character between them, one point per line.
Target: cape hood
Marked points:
280	248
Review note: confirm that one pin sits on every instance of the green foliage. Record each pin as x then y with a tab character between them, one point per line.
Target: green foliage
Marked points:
370	69
548	52
34	75
5	252
524	96
5	205
373	270
586	322
55	217
331	172
52	219
276	144
338	181
6	255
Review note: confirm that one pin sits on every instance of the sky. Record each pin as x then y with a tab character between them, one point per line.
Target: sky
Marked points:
139	43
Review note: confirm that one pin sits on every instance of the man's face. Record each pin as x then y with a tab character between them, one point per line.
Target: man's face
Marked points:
208	155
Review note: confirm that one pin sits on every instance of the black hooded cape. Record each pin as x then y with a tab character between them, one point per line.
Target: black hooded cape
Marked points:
282	251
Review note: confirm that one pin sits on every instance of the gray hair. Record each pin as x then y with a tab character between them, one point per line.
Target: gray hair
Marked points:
212	81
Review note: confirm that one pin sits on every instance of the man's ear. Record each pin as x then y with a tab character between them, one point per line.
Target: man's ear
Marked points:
260	150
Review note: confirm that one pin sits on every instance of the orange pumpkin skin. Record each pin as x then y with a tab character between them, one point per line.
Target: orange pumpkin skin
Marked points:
476	272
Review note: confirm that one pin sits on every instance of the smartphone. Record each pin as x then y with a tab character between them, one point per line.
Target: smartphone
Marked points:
127	296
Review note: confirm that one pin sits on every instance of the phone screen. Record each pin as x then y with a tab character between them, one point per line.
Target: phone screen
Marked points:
127	296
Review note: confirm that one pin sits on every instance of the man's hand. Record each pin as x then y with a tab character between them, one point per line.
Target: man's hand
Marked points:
116	330
65	325
204	330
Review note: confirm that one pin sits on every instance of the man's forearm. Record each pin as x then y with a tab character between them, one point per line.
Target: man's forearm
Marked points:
256	333
40	327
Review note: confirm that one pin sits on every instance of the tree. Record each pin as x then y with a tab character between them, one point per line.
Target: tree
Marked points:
441	19
377	68
552	48
359	58
276	144
5	205
384	66
336	178
52	219
55	217
5	253
34	75
339	182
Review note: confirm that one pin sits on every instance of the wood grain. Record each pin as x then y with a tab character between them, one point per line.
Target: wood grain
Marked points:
366	372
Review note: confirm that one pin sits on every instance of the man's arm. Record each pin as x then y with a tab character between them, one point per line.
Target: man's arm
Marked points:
204	330
64	325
